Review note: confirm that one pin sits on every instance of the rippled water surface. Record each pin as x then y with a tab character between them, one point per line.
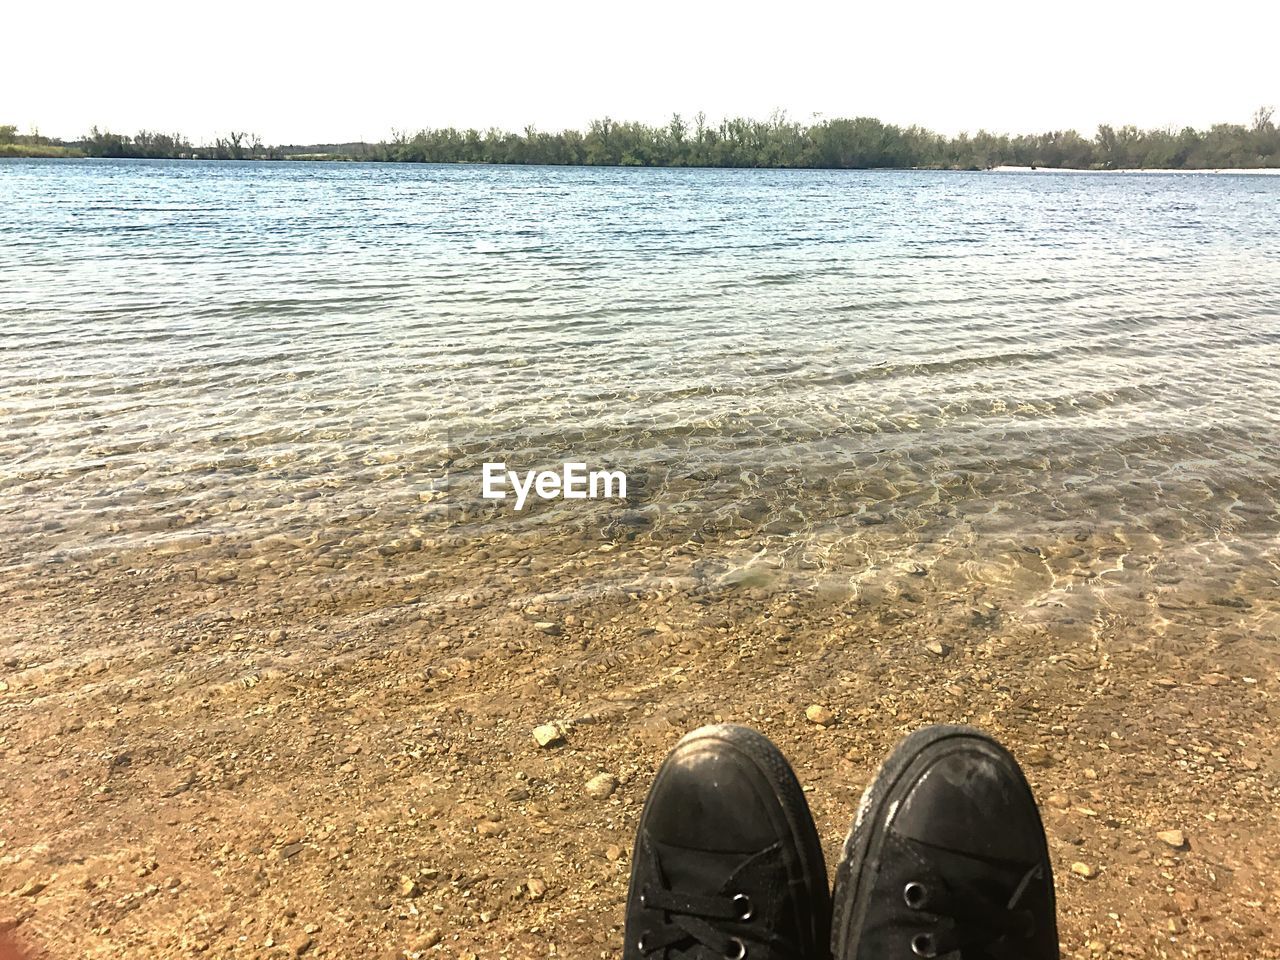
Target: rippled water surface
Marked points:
837	381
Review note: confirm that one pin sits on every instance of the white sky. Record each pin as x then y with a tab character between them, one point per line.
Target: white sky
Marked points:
305	72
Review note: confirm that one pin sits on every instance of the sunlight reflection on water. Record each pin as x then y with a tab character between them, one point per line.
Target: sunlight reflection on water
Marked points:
829	380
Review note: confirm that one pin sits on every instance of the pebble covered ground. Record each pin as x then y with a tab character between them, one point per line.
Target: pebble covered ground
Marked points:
443	751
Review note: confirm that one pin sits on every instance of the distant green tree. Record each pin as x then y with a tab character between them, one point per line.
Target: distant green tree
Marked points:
102	143
837	143
1265	138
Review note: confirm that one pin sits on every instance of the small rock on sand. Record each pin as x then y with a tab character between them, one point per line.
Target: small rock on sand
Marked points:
1174	838
822	716
601	786
1083	870
31	888
428	940
547	735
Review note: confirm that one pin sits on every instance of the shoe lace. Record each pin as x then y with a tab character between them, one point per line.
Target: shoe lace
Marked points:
980	922
687	927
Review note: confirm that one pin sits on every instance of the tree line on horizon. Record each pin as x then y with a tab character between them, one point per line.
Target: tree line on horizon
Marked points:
857	143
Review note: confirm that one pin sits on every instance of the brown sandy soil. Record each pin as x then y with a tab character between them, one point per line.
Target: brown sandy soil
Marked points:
269	762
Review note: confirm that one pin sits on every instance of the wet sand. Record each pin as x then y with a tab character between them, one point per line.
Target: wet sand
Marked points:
233	752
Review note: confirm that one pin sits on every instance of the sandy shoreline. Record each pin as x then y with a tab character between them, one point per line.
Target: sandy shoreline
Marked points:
263	761
1261	171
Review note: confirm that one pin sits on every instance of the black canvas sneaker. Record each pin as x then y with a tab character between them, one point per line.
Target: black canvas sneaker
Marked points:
947	858
727	861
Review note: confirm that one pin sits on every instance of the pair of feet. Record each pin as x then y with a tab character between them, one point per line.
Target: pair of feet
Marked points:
946	858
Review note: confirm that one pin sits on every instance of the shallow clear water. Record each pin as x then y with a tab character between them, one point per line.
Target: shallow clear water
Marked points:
832	380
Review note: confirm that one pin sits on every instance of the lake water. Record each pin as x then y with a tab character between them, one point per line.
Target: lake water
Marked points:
856	385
